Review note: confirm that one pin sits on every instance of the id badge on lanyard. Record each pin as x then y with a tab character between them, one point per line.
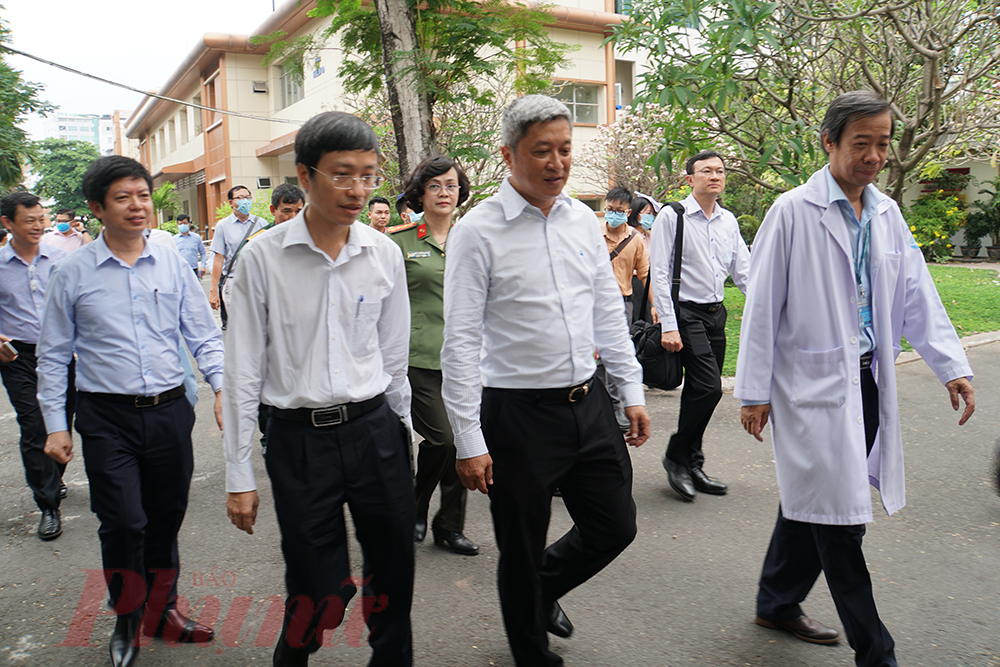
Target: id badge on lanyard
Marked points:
864	298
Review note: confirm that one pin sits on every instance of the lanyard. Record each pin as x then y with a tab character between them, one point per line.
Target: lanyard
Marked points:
861	256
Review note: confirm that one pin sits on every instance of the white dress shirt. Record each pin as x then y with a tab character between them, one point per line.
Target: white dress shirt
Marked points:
230	232
713	250
307	331
537	296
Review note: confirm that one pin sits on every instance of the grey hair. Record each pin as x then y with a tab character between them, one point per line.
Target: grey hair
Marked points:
848	108
525	111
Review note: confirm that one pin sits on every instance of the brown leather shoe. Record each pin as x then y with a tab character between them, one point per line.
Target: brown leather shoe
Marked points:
175	628
804	628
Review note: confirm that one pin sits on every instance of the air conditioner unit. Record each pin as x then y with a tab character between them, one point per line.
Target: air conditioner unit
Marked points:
260	86
264	183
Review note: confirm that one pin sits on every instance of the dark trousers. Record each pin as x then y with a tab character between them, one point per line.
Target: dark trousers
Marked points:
139	462
539	444
703	334
43	474
365	463
799	551
436	457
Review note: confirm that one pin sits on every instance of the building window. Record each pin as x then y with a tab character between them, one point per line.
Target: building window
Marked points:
290	85
623	7
583	101
197	115
184	126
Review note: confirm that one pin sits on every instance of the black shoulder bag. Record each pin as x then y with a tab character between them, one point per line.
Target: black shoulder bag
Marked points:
660	369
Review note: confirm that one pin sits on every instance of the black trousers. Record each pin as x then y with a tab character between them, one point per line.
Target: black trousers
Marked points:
539	444
314	471
436	456
20	378
799	551
139	462
703	334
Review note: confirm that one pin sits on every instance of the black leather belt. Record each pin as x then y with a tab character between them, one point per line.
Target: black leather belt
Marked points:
573	394
707	307
331	416
866	360
141	401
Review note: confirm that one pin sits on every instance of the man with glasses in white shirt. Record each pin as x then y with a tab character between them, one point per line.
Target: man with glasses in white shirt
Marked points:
529	294
229	234
713	249
321	335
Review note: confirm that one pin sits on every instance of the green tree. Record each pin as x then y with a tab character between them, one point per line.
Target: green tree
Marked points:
761	74
165	198
18	98
61	164
462	48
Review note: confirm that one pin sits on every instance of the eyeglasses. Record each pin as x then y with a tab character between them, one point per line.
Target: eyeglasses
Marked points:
242	197
712	172
435	188
345	182
613	210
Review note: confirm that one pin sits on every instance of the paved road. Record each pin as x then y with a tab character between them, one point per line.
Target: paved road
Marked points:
682	594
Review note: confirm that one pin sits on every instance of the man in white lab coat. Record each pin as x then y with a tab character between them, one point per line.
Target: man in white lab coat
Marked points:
835	279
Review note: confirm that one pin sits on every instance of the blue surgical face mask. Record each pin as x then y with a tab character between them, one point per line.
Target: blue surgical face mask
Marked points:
183	229
646	220
62	227
415	217
615	218
244	206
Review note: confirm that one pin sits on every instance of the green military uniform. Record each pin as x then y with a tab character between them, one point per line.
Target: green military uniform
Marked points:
424	261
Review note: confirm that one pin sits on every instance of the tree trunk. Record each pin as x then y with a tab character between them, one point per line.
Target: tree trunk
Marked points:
412	120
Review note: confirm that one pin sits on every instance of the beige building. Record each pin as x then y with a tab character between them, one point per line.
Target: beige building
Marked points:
206	152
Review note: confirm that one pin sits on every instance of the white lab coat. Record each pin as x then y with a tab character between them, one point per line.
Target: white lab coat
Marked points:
799	350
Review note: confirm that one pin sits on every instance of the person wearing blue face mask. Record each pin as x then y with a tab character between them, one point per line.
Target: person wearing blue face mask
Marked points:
629	258
230	232
64	236
190	245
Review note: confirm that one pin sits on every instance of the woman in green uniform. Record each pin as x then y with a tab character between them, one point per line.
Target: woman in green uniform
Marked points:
434	189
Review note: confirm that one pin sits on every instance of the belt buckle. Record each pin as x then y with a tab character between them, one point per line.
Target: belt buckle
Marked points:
147	401
573	398
328	416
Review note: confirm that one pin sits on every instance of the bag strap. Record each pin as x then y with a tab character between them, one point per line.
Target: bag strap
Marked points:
675	283
621	246
253	220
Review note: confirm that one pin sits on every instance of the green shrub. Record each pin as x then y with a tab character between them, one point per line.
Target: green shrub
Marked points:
933	219
749	224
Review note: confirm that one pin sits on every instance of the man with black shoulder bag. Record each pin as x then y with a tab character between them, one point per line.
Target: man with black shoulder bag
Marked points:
693	321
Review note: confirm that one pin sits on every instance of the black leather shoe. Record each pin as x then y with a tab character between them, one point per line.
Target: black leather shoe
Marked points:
679	478
176	628
62	491
286	656
559	624
123	645
706	484
804	628
455	541
420	530
50	527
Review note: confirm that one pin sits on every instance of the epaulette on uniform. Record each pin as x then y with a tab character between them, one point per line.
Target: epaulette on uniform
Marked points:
401	228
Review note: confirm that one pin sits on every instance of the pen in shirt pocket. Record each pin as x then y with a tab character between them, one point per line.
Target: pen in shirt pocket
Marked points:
156	296
357	311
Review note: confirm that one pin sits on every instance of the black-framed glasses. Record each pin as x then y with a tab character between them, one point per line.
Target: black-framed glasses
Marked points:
345	182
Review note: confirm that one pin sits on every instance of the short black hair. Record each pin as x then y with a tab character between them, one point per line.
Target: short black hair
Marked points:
233	189
698	157
413	191
378	200
848	108
104	171
620	195
183	216
286	193
332	132
637	205
401	203
9	203
67	211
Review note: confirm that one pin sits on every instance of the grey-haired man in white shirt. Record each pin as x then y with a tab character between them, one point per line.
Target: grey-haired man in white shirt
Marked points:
530	284
321	335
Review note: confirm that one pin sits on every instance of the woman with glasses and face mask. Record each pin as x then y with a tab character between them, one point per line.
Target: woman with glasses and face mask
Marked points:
435	188
641	216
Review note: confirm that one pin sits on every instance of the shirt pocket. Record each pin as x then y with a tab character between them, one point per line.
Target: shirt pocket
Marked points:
819	379
166	311
364	339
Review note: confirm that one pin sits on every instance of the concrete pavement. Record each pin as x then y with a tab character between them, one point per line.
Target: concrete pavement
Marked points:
682	594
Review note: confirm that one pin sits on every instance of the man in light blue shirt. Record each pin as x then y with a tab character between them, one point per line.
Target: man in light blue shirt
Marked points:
25	265
123	304
190	245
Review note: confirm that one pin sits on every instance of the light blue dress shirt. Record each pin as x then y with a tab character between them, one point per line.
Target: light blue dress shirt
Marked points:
191	248
125	324
22	291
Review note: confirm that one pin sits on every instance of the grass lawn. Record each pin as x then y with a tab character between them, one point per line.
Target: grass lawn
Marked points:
971	297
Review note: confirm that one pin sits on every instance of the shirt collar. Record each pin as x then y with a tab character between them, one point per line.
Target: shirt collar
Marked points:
514	204
870	197
692	207
298	234
102	252
7	253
